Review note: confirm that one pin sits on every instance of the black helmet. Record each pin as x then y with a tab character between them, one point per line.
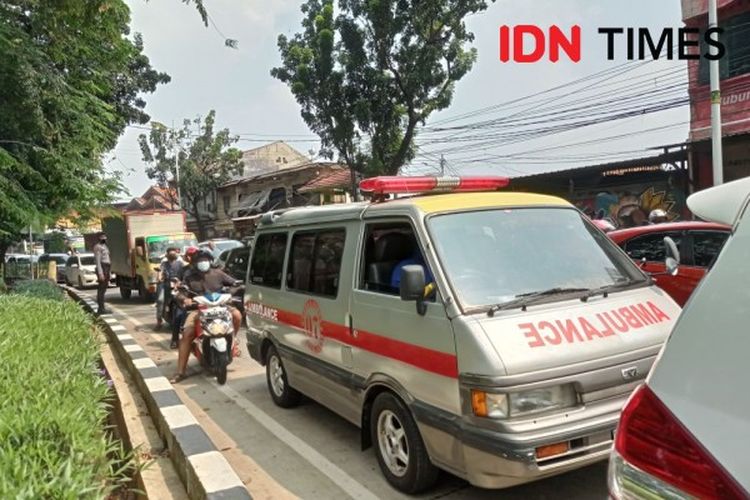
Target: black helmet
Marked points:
203	254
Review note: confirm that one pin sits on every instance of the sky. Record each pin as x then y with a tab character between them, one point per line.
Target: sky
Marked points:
237	84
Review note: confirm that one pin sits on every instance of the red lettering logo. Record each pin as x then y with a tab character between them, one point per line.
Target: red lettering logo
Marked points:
530	43
312	323
599	326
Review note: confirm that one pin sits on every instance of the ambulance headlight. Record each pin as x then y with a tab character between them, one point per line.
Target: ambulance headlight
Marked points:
489	404
541	400
519	404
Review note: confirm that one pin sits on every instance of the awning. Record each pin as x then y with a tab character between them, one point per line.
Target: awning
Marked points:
252	203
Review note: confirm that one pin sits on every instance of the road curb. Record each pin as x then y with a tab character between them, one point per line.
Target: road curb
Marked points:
204	471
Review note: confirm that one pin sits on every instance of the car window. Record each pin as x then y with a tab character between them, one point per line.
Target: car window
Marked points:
315	262
650	246
706	246
236	265
268	260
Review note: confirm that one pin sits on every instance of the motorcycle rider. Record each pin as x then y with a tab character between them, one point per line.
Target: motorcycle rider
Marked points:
200	280
179	314
170	268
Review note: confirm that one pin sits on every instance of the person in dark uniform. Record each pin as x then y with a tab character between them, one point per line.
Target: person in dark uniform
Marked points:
103	271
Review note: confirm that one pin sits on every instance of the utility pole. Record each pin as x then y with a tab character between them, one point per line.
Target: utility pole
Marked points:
716	149
442	165
177	166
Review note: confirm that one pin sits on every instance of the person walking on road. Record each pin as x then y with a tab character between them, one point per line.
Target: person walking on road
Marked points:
103	271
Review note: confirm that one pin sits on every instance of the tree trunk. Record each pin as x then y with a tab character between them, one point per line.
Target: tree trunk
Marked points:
3	249
398	160
199	221
355	187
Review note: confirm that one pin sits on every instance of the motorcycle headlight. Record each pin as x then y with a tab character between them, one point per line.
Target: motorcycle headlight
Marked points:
516	404
216	328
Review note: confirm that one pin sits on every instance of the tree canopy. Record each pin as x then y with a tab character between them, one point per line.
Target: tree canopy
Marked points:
205	162
367	72
71	80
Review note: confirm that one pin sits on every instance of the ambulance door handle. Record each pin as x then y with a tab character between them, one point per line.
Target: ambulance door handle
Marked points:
352	331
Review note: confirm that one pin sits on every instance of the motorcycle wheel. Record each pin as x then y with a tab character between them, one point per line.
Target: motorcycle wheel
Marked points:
221	361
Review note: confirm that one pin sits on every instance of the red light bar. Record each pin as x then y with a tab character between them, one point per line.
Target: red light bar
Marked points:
414	185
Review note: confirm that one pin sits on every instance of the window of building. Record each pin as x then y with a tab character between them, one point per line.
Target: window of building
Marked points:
651	246
225	200
736	40
268	260
706	246
315	262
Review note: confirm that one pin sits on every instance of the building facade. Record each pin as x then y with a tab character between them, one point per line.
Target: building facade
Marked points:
241	202
734	19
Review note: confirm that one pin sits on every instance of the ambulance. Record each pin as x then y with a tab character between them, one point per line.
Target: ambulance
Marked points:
494	335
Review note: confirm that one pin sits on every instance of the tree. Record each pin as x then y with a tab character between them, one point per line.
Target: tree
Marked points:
206	163
70	82
367	77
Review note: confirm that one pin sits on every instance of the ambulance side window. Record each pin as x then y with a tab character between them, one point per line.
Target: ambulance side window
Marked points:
268	260
388	247
315	262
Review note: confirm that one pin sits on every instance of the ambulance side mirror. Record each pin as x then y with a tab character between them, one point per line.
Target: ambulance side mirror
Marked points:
672	260
412	286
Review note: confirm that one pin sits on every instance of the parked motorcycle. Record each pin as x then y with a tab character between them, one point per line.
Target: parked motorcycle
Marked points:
214	332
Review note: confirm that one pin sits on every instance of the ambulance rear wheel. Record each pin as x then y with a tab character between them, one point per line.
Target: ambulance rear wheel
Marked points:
281	392
399	448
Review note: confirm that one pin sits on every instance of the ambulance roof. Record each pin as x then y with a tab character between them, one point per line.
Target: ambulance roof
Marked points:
426	204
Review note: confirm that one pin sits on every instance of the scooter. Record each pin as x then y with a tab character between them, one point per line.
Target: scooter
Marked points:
214	332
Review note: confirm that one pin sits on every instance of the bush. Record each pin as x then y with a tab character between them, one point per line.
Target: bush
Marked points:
53	442
43	289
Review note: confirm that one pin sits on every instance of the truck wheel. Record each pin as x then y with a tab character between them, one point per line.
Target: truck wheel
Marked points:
281	392
399	448
125	292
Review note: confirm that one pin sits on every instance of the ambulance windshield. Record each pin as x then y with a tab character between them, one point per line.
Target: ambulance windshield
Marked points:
496	256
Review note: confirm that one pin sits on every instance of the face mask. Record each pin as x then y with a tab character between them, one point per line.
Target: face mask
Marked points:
203	266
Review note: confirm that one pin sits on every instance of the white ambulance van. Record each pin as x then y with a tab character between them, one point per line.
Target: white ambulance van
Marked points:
495	335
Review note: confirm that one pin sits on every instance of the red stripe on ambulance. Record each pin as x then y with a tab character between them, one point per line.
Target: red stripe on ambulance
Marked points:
586	329
440	363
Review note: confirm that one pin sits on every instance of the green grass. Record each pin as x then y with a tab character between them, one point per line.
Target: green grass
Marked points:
53	414
44	289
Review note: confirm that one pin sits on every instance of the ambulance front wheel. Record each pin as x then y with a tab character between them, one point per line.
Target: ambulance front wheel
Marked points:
399	448
281	392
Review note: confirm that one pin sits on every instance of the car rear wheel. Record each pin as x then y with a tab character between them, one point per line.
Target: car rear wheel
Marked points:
399	448
281	392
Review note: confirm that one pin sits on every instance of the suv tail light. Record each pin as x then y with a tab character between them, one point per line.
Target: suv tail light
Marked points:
655	455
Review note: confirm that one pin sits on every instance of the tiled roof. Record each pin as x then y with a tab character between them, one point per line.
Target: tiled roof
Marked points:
336	179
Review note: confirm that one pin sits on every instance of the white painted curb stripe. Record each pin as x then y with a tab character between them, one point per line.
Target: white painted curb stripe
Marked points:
178	416
132	348
157	384
214	471
144	363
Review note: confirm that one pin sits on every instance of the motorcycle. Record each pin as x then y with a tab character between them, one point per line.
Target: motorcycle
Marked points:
168	304
214	332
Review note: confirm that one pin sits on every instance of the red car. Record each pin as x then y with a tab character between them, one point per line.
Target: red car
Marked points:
699	244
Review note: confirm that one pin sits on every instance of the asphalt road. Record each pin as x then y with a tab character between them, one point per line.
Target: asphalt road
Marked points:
306	452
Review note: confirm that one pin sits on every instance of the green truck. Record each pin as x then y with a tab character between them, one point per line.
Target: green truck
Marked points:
137	243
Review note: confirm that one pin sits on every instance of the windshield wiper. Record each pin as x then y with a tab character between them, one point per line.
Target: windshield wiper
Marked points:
604	290
525	299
